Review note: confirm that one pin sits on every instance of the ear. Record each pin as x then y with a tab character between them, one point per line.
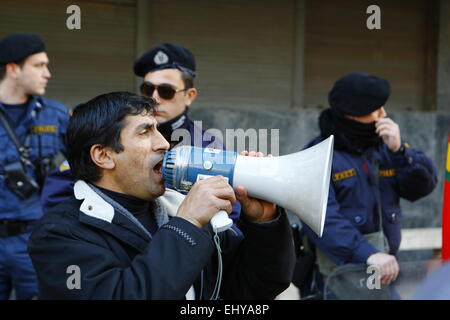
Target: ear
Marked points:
190	96
101	156
12	70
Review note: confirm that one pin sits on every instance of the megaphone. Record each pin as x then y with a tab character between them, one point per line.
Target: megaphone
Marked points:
298	182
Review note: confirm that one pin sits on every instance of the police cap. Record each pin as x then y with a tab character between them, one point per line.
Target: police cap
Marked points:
165	56
359	94
17	47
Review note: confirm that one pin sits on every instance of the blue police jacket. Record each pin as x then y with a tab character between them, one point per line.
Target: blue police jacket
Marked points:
352	202
43	129
59	184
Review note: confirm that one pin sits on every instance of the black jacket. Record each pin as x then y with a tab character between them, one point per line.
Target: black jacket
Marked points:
117	260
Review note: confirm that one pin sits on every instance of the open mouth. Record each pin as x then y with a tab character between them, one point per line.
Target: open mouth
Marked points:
158	168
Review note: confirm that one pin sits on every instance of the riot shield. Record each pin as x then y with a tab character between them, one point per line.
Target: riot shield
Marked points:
361	282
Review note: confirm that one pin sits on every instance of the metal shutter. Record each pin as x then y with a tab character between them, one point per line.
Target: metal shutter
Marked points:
244	49
84	63
338	42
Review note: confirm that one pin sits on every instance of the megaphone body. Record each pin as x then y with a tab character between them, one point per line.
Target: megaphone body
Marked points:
298	182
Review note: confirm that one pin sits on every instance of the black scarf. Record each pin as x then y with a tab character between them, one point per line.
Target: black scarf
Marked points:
142	210
349	134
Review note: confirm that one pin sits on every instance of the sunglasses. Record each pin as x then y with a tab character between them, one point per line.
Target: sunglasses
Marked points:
165	90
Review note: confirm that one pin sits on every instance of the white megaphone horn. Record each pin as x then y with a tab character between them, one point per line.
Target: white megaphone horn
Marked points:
298	182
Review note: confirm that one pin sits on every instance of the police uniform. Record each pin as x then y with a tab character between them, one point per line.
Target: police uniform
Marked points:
41	127
59	184
367	179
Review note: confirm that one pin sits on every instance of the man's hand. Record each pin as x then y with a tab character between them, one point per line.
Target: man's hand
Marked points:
387	265
389	131
255	210
206	198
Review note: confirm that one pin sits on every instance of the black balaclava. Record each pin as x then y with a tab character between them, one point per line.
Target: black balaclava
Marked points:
356	94
349	134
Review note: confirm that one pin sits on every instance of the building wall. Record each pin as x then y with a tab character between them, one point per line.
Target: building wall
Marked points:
403	50
253	55
244	49
443	67
84	63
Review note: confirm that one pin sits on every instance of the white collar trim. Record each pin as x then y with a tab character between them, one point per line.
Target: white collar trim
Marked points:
93	205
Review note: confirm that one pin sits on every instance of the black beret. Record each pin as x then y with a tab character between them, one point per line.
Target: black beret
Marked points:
165	56
359	94
16	47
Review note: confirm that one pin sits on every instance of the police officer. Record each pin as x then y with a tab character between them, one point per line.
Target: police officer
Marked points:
168	71
372	169
39	125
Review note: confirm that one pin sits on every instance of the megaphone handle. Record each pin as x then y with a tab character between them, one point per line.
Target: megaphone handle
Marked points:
221	222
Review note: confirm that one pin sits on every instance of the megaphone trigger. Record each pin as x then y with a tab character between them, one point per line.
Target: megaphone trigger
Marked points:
221	222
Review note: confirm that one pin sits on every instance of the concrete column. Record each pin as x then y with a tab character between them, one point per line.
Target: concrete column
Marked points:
443	60
298	72
142	31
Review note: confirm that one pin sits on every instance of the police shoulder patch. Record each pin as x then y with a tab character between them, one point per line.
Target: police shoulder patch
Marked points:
387	173
44	129
344	174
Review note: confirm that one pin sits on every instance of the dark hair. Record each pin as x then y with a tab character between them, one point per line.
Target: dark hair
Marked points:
188	80
2	71
100	121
